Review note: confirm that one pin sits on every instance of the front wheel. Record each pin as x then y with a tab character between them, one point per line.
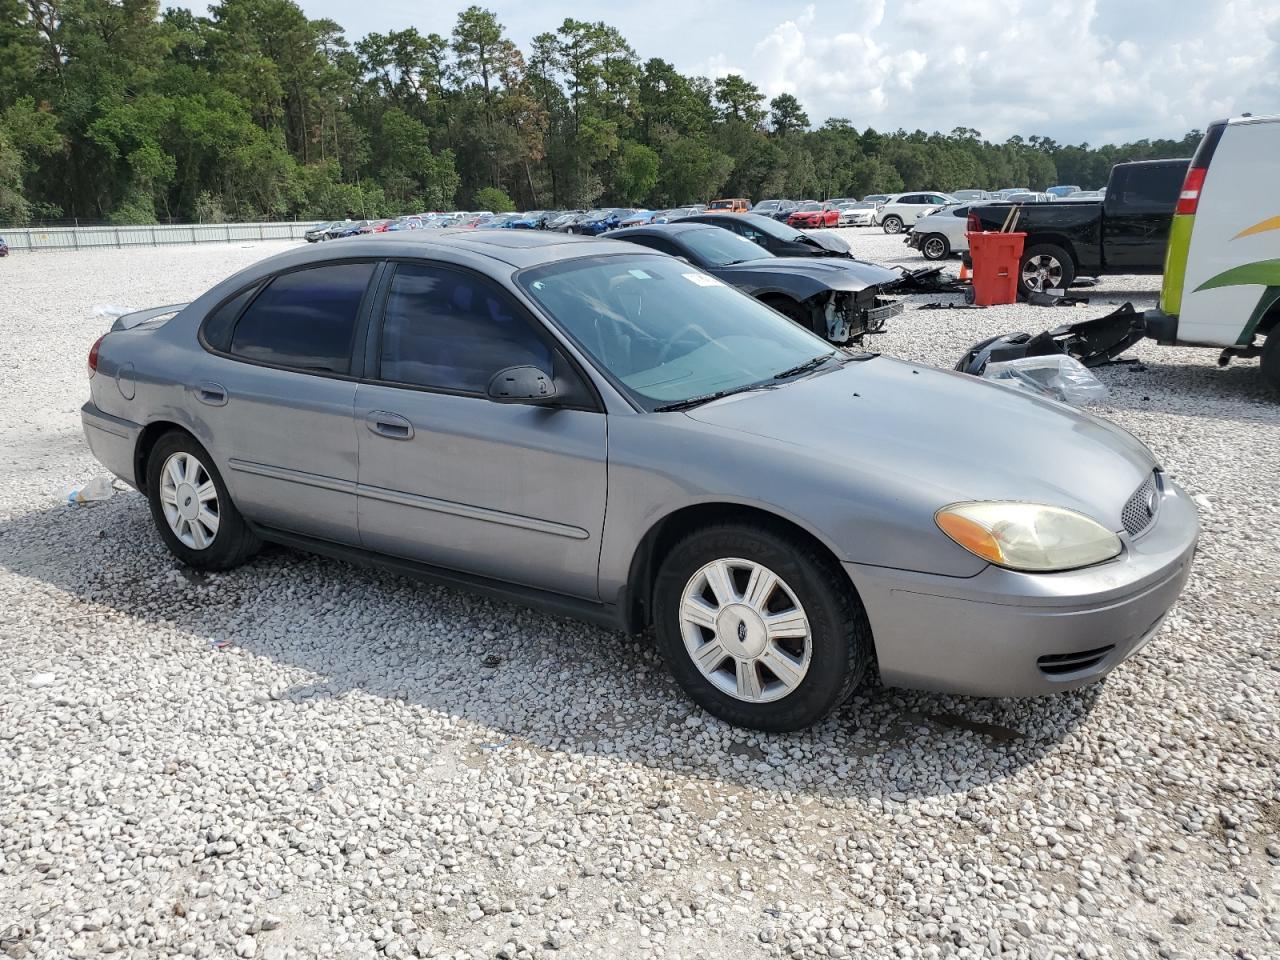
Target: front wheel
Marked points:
759	627
892	225
935	247
192	508
1045	267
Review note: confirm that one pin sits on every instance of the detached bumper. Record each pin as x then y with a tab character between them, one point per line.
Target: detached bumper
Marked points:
1007	634
112	441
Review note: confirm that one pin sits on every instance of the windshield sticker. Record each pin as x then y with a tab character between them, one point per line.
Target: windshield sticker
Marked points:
702	280
640	274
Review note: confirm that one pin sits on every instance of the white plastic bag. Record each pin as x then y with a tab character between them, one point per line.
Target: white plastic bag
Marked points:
1057	376
99	488
110	311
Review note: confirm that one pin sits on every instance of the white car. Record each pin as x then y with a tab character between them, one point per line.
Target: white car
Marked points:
858	214
938	235
902	210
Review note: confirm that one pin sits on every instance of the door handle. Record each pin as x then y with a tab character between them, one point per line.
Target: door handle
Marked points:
214	394
390	425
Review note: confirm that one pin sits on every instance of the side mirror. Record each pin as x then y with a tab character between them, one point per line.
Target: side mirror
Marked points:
522	384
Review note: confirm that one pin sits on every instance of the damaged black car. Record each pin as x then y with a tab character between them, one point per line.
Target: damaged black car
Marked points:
838	299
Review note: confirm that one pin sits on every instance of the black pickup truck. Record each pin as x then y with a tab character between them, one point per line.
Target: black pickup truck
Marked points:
1124	233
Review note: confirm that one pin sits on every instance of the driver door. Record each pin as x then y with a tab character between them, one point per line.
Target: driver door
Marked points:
447	477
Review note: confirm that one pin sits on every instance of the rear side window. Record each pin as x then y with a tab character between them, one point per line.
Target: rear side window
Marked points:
218	326
305	319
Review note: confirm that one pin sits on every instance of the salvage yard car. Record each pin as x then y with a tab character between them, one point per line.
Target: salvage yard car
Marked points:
611	433
941	233
904	209
812	215
1125	233
860	213
838	299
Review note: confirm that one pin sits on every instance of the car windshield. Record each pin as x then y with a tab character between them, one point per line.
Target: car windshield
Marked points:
807	207
723	248
766	205
665	332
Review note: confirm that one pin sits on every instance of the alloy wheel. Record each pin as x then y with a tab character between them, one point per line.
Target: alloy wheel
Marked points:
745	630
1042	273
934	248
189	499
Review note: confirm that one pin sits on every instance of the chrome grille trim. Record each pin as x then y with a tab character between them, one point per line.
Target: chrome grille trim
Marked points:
1140	510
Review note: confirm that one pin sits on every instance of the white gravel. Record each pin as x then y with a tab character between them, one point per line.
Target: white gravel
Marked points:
347	778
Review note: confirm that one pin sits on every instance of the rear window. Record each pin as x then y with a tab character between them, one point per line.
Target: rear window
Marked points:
305	319
218	326
1153	187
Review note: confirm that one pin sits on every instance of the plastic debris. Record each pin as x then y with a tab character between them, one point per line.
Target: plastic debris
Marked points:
1093	342
97	489
109	311
1057	376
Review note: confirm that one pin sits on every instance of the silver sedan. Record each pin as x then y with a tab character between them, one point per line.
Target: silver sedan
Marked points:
610	433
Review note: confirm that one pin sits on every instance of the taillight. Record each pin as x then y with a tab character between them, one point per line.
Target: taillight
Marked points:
972	224
93	355
1189	198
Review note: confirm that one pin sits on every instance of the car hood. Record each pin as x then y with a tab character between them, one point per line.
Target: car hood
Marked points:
932	437
838	274
829	242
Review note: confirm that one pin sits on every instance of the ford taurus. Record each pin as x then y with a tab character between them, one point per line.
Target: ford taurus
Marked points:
611	433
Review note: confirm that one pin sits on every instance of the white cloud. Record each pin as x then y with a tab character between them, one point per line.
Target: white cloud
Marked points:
1074	70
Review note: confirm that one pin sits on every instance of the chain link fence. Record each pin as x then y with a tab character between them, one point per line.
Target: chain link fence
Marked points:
86	237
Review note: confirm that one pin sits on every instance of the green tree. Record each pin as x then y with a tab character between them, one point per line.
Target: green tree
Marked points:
491	198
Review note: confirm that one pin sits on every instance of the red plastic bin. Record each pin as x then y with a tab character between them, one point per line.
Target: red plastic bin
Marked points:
995	266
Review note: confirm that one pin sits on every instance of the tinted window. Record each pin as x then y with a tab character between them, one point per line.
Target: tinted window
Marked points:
453	331
661	244
721	247
1154	187
217	328
305	319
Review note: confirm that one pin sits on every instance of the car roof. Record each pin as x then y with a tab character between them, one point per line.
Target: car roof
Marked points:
669	229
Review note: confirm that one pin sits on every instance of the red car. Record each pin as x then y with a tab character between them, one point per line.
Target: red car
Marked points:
814	214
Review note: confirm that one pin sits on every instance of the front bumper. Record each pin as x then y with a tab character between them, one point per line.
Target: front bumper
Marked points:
112	441
1008	634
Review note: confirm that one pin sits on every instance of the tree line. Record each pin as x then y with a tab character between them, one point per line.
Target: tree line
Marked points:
113	110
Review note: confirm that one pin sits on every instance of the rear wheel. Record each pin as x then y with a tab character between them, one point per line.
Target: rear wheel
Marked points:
891	224
759	626
1045	267
192	508
935	247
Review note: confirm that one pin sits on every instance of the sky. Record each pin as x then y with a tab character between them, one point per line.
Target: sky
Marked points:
1095	71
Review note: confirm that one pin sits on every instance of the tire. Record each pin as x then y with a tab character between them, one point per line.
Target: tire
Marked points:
935	246
230	542
891	224
823	647
1045	266
1270	364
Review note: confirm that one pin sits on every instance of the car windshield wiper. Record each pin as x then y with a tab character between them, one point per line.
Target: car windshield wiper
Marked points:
802	367
705	398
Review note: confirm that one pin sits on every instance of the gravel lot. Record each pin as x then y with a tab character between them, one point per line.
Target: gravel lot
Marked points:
371	766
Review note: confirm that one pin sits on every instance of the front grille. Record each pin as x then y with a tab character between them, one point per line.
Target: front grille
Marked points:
1057	664
1141	508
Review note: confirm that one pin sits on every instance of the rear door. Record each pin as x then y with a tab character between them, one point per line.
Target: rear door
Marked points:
277	396
447	477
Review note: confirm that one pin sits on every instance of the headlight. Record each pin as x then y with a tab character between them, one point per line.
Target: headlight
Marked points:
1028	536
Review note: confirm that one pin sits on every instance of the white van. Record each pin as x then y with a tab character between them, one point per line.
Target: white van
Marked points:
1222	266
